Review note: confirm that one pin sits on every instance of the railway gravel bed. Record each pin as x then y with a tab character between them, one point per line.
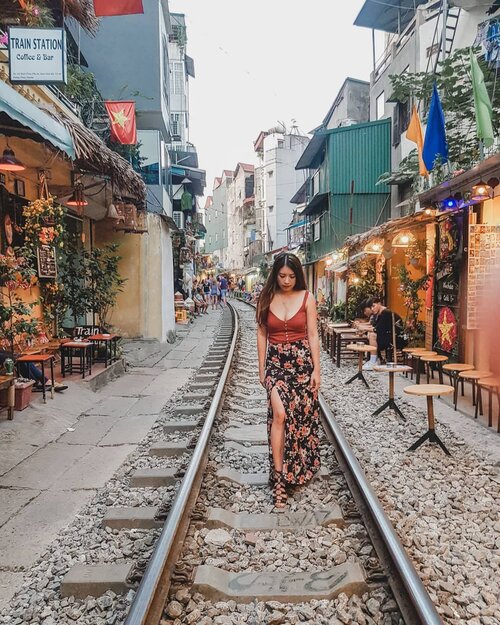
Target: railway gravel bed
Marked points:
446	509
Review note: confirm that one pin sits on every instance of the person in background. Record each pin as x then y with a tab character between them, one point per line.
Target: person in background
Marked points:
206	290
382	325
30	371
200	304
223	285
214	293
367	324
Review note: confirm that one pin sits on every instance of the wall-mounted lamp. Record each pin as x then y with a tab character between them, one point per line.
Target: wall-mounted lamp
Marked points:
9	162
481	191
402	240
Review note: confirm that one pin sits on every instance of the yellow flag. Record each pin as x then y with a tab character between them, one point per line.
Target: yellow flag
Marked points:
414	133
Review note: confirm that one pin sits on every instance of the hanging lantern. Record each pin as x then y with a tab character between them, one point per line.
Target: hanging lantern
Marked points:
9	162
403	239
481	191
77	199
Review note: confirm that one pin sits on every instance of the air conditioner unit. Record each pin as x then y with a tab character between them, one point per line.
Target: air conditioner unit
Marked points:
178	217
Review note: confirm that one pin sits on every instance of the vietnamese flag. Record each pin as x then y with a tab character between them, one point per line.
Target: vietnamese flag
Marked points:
104	8
122	118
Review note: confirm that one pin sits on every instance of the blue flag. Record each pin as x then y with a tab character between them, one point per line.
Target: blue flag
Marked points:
435	144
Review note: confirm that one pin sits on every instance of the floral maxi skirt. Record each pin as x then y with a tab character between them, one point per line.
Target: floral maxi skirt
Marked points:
288	369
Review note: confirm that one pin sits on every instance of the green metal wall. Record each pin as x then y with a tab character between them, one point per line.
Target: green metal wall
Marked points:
368	210
360	153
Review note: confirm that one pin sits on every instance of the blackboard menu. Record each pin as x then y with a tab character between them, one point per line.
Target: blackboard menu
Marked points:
47	263
484	264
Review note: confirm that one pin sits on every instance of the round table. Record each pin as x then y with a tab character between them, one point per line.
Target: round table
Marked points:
473	375
452	370
427	360
429	391
361	350
390	403
415	356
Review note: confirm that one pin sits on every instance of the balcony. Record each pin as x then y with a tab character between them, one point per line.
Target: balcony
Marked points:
184	153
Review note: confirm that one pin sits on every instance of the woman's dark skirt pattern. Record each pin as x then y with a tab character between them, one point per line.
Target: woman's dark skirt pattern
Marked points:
288	369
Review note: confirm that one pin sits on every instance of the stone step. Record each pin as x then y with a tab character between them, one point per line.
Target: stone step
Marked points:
153	478
83	580
180	426
249	451
245	410
255	479
295	587
249	397
188	409
199	386
141	517
209	369
206	377
218	517
167	449
255	434
197	397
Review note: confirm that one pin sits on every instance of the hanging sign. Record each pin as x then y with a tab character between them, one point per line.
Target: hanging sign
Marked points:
37	55
47	263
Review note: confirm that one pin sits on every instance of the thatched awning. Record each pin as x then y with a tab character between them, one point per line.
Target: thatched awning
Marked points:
80	10
357	241
92	155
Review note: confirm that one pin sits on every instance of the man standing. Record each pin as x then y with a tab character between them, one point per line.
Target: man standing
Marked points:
223	290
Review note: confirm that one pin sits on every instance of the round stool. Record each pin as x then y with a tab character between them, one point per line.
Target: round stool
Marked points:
361	349
429	391
438	360
472	376
390	403
491	385
453	369
416	356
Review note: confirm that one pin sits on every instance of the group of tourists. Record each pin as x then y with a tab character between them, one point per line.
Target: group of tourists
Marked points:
211	292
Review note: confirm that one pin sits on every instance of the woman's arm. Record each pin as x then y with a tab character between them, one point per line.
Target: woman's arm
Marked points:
312	335
261	350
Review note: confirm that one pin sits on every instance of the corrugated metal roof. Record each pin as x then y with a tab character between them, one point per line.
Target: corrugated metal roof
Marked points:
387	16
313	155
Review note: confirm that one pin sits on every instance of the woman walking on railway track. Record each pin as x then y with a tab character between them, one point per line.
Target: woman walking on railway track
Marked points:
289	370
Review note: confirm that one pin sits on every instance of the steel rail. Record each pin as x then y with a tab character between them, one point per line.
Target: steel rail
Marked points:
143	600
421	603
420	600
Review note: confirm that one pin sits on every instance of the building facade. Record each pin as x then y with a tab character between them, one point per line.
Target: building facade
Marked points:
241	216
216	220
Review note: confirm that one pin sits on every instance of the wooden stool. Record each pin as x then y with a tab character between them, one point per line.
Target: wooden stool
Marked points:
342	335
428	360
472	376
390	403
7	383
76	349
361	350
453	369
416	358
40	359
490	385
429	391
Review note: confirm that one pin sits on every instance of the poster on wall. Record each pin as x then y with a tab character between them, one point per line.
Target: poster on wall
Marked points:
37	55
47	262
483	267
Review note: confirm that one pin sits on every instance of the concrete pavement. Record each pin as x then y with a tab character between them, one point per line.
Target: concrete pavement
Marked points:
54	456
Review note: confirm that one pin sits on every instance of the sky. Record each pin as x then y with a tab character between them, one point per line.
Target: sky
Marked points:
258	62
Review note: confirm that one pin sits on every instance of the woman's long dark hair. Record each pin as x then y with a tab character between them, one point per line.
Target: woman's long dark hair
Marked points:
271	286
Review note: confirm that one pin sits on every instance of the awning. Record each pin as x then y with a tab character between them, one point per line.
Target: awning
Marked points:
297	225
313	155
319	204
196	176
300	195
21	110
391	17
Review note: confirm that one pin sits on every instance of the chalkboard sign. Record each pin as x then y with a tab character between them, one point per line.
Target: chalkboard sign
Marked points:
47	263
447	288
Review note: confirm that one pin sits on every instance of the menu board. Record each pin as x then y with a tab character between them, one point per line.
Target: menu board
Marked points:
47	263
484	263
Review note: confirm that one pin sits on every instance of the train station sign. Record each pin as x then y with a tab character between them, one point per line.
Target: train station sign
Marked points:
37	55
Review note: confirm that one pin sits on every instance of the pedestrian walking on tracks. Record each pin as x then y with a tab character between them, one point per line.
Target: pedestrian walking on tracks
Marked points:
289	370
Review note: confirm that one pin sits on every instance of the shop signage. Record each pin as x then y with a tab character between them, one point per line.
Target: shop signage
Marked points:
484	265
37	55
47	263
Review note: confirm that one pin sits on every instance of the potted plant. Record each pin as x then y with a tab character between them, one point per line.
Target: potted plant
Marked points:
104	281
409	289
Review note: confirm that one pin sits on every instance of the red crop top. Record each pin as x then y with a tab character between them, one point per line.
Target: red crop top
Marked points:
294	329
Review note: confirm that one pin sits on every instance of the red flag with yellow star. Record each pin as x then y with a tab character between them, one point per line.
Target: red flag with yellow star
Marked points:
104	8
122	118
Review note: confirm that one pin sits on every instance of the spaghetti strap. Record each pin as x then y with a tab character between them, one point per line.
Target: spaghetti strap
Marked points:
305	299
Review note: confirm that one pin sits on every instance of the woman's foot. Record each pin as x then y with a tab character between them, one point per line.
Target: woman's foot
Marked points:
279	491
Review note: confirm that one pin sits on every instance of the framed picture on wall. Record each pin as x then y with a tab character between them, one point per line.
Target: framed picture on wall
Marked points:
19	188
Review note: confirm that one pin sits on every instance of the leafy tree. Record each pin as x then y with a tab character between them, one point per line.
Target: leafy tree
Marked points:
104	281
365	287
410	290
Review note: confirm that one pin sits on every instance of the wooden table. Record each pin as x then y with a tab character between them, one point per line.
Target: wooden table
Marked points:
40	359
7	383
390	403
110	341
361	350
83	350
415	357
429	391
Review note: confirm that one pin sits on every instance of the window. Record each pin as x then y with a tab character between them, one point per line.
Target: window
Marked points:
209	217
210	239
166	80
281	143
216	213
316	227
179	219
216	237
380	105
271	209
177	70
270	173
150	156
175	119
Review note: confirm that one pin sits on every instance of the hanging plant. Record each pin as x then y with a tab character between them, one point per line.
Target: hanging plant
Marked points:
409	290
44	224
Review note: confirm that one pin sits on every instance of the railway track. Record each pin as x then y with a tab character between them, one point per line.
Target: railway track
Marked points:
222	554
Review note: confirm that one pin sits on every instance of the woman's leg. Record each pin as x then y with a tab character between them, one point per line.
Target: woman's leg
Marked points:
277	430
